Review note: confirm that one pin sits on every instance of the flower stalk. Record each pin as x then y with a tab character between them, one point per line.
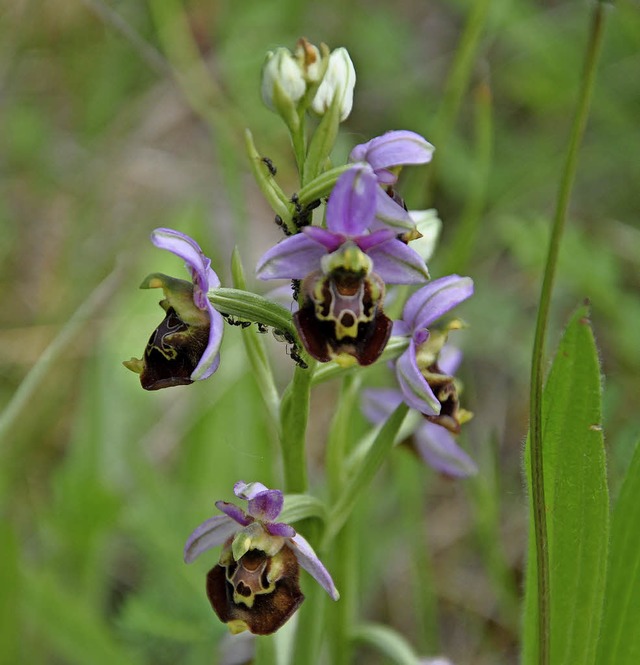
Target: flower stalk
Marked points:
536	460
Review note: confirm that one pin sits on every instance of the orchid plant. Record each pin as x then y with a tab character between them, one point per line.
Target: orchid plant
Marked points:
349	239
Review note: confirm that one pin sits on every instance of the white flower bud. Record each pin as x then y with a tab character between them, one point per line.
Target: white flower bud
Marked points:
283	71
310	60
339	80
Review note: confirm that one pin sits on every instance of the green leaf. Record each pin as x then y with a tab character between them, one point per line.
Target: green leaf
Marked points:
301	507
387	641
577	504
620	637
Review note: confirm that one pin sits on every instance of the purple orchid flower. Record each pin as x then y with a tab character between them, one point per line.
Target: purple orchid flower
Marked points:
417	368
255	585
384	154
434	443
186	346
351	211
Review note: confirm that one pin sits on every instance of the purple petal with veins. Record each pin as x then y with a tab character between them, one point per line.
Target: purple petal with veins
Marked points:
439	449
292	258
266	506
210	359
415	389
308	559
352	202
391	215
397	263
435	299
379	403
188	249
366	242
394	148
215	531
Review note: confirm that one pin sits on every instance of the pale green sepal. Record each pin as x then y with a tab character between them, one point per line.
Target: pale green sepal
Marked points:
301	507
619	637
250	306
256	352
576	502
387	641
364	474
322	142
276	198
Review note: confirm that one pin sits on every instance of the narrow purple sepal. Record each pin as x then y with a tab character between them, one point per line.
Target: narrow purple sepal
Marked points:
352	202
394	148
415	389
211	533
308	559
400	329
330	240
234	512
189	251
280	529
435	299
248	490
266	506
210	359
397	263
391	215
379	403
439	449
292	258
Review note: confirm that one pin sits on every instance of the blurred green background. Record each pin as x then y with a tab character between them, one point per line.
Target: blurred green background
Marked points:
100	482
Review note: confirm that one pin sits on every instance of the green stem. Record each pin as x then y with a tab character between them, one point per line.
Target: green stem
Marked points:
294	415
537	363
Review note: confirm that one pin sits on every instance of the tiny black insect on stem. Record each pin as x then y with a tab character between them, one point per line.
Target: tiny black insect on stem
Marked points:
270	165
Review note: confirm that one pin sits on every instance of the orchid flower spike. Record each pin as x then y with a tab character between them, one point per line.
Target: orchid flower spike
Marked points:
255	585
185	347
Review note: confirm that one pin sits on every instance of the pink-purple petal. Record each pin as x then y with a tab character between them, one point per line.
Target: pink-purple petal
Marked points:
397	263
189	251
215	531
280	529
449	359
391	215
292	258
330	240
415	389
435	299
394	148
379	403
210	359
352	203
266	506
234	512
439	449
366	242
308	559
